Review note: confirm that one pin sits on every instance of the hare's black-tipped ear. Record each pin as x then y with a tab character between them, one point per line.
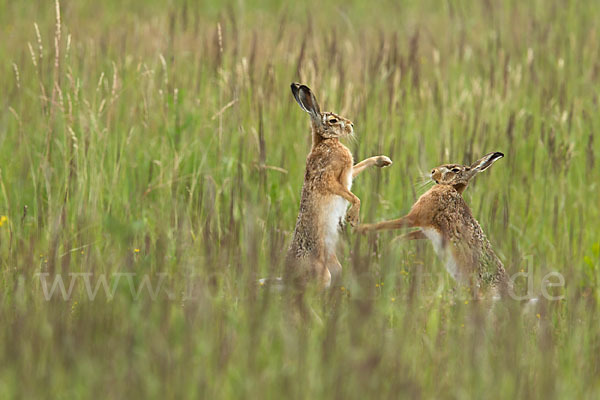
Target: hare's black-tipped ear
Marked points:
296	93
307	100
486	161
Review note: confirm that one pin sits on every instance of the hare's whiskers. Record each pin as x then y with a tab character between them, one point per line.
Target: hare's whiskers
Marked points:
423	181
352	137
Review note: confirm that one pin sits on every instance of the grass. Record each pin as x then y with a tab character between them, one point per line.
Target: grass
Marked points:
162	141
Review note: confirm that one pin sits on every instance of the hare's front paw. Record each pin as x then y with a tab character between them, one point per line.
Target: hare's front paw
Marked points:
352	216
383	161
362	229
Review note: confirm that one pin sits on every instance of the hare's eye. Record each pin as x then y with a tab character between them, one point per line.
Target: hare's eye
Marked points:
332	121
455	170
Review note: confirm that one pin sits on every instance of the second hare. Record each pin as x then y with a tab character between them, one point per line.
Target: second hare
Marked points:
443	217
325	196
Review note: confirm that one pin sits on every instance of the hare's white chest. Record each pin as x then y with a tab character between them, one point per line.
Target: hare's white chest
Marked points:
334	213
443	252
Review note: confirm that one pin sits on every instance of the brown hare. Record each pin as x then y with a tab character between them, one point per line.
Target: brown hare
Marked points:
325	196
443	217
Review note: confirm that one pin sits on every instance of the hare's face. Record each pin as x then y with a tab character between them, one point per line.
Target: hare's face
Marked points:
451	174
332	126
459	175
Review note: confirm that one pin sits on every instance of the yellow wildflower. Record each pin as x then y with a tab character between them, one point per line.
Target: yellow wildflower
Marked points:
3	219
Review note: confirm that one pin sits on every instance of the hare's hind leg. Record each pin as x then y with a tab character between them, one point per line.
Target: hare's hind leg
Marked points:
304	272
323	275
335	269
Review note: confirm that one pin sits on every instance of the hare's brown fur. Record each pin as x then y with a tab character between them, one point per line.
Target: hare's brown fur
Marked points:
325	196
444	217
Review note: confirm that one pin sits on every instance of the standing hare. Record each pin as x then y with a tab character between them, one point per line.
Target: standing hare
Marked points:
325	196
444	218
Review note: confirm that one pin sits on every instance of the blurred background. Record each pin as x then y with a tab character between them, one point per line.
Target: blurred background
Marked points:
159	142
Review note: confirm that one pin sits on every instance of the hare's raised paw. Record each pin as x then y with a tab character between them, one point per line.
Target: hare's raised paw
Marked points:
383	161
352	217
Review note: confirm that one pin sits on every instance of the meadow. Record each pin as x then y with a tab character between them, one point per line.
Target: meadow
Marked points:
156	145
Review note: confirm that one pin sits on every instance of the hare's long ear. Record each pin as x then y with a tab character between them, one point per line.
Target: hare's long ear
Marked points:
307	100
486	161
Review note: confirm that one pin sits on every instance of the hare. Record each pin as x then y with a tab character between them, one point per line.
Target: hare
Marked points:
325	196
444	218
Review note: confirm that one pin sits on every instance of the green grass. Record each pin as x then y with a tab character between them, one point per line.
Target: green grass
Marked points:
166	141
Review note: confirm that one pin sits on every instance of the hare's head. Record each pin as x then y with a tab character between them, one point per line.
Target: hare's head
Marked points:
325	124
459	175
